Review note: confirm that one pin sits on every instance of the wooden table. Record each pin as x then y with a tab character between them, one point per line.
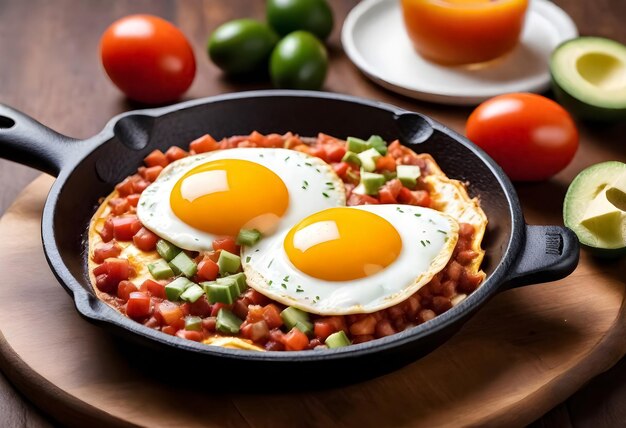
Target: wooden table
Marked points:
50	70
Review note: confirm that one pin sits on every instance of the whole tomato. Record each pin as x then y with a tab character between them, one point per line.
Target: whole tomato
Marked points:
530	136
148	58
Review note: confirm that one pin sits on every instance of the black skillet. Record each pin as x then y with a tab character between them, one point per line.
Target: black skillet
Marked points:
516	254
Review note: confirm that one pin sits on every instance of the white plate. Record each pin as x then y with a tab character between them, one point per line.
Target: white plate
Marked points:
374	38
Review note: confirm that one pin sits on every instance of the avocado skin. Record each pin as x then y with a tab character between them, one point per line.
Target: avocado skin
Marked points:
583	110
604	253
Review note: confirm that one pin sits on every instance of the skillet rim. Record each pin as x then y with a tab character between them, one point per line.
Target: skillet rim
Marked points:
97	311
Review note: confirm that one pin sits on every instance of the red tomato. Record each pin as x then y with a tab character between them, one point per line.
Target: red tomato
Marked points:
208	270
124	228
145	240
155	289
138	306
531	137
227	243
156	158
124	288
206	143
105	250
147	58
295	340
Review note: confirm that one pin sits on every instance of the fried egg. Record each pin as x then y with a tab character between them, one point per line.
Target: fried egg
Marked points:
199	198
348	260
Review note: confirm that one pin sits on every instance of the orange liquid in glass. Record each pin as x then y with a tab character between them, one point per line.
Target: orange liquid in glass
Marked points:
458	32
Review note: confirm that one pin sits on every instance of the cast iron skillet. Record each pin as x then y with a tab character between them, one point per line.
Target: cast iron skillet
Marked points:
516	254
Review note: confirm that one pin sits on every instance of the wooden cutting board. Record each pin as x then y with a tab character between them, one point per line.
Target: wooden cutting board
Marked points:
525	352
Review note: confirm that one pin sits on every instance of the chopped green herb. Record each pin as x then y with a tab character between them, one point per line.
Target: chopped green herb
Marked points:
441	231
399	210
248	258
325	195
284	286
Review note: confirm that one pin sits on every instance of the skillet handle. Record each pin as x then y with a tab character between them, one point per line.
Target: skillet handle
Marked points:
550	253
26	141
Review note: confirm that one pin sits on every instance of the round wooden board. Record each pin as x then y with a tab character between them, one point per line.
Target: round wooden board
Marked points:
525	352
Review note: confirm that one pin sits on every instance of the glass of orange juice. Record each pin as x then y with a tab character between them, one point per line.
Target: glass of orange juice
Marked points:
462	32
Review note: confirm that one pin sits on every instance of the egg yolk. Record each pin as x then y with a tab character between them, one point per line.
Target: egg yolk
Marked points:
223	196
342	244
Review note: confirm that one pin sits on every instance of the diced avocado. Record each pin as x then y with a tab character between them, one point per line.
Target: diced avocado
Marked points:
227	322
167	250
305	327
371	182
368	159
598	221
588	78
248	237
337	340
240	278
292	315
408	175
193	323
356	145
182	263
232	284
174	289
192	293
376	142
228	263
351	157
390	175
221	292
160	270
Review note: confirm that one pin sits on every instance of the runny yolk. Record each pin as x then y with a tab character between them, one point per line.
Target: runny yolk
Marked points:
223	196
342	244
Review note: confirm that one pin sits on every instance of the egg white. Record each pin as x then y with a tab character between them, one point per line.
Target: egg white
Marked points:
428	240
312	185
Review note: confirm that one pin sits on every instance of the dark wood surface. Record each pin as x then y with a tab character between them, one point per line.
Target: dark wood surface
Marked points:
49	69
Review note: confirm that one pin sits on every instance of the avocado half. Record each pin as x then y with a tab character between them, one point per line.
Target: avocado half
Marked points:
589	78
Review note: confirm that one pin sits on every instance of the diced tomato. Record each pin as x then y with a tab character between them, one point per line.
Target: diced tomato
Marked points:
415	197
118	269
124	288
155	289
124	228
255	314
274	141
325	138
155	158
256	298
168	329
356	199
106	233
139	184
326	326
226	243
257	332
257	139
387	163
151	322
385	196
207	269
215	308
104	284
138	306
335	152
295	340
125	188
145	240
271	315
341	168
175	153
196	336
318	151
204	144
169	313
151	173
118	205
200	307
133	199
105	250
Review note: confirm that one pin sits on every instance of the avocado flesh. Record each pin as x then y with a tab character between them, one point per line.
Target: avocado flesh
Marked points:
592	213
589	78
